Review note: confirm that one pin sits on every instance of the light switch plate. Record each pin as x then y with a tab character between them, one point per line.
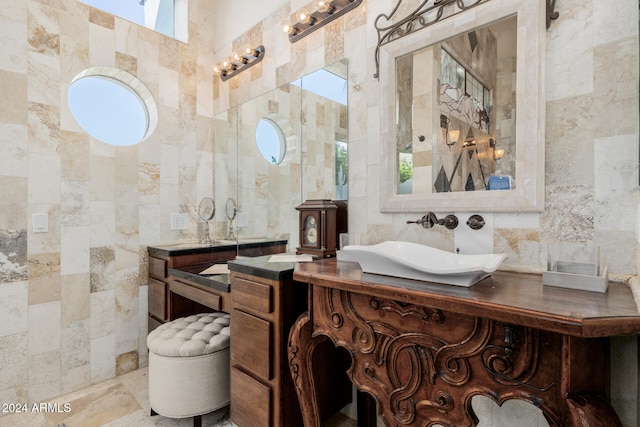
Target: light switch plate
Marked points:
179	221
243	219
40	223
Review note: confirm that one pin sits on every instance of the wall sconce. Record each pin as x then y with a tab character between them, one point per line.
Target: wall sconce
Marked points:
470	140
498	153
326	11
237	63
450	136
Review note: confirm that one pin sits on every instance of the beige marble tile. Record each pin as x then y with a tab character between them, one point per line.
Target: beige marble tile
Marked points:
102	269
74	206
102	313
74	150
44	278
74	294
14	36
522	246
75	345
44	328
44	29
103	224
102	46
44	376
13	366
14	313
44	77
103	358
74	245
13	103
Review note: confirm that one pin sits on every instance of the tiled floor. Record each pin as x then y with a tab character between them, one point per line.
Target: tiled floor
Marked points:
119	402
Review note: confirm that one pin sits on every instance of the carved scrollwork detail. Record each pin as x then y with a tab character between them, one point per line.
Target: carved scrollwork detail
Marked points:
405	310
516	362
452	360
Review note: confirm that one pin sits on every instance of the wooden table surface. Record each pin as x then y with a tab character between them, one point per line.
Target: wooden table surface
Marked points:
515	298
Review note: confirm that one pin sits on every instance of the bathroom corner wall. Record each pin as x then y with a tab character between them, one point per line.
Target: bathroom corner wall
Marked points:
73	304
591	144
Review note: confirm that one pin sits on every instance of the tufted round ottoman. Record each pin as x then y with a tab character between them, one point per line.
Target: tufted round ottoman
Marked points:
189	366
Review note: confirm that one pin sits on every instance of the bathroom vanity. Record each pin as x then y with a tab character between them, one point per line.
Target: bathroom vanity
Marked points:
177	289
266	302
422	350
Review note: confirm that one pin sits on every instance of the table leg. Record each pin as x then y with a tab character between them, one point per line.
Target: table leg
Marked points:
301	347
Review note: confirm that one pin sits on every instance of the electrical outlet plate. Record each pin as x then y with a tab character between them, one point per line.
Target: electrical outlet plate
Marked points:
179	221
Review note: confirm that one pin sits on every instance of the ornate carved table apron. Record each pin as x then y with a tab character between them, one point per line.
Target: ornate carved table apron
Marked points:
423	350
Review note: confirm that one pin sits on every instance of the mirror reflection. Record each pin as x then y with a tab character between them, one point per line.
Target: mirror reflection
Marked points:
309	116
456	113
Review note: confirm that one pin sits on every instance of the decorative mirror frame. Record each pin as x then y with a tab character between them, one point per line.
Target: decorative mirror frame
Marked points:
528	194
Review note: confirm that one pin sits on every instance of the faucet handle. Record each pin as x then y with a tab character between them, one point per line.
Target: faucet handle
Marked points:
475	222
427	221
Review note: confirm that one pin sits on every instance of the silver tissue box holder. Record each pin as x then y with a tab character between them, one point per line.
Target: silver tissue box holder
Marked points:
575	266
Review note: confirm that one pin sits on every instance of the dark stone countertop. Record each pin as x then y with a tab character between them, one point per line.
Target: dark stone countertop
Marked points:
261	267
193	247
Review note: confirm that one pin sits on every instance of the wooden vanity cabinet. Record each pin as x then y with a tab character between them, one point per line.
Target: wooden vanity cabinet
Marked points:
262	313
170	297
262	390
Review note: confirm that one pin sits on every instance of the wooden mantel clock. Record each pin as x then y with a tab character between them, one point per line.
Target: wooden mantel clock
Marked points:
319	227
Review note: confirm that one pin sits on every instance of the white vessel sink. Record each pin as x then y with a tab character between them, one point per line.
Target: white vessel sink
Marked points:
421	262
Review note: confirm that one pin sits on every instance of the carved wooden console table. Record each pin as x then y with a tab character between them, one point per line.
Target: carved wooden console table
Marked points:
423	350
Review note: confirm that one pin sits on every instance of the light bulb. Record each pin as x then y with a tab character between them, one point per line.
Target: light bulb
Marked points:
251	52
454	135
236	57
498	153
217	70
305	18
290	29
325	6
227	64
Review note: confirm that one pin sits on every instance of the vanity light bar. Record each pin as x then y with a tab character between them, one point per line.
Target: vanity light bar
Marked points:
326	11
237	63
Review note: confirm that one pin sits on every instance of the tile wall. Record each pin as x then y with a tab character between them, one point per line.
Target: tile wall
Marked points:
74	299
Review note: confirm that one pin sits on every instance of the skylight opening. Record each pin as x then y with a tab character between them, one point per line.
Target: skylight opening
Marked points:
168	17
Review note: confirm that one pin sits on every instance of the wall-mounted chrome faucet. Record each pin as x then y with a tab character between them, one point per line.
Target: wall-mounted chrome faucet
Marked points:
429	220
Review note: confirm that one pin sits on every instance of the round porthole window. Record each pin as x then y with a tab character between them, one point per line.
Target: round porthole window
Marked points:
112	105
270	141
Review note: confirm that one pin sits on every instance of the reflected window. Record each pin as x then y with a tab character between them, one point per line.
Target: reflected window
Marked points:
325	84
168	17
270	141
112	105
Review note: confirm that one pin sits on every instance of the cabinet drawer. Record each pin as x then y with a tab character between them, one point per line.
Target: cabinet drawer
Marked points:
209	299
157	296
157	268
252	294
253	344
250	401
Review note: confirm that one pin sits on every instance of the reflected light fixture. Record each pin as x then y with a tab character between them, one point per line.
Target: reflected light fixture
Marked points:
498	153
325	12
470	140
450	136
238	62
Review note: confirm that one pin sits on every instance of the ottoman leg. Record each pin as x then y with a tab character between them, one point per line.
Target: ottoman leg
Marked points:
197	421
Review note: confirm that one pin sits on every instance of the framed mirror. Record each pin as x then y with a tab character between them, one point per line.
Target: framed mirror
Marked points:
463	112
311	116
